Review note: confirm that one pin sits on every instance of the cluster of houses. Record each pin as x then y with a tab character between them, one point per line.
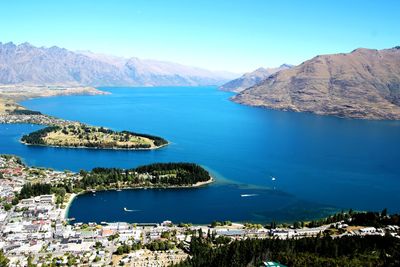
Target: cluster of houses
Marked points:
32	119
11	177
36	229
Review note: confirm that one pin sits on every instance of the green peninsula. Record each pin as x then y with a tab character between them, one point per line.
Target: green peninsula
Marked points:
180	174
78	135
157	175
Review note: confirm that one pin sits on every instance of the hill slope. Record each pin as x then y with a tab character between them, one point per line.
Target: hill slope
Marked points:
252	78
28	64
362	84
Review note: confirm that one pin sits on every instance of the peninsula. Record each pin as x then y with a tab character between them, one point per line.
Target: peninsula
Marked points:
27	182
78	135
156	175
64	133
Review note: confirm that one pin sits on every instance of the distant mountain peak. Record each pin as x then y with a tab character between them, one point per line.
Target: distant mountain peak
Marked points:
25	63
252	78
25	44
8	45
364	50
284	65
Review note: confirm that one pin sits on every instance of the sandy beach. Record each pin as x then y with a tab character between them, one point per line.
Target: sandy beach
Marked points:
68	204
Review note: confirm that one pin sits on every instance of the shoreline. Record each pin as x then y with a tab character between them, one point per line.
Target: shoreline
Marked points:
96	148
74	195
68	205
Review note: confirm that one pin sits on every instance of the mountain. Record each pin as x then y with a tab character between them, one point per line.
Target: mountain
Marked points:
362	84
251	78
28	64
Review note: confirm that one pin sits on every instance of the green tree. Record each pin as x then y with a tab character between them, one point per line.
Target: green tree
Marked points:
3	260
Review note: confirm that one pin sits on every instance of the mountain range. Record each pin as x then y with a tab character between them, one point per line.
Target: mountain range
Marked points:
362	84
27	64
251	78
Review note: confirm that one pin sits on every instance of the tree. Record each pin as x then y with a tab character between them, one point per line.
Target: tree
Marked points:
7	206
15	201
3	260
30	263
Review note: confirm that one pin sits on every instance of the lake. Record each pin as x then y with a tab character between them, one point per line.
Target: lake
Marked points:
321	164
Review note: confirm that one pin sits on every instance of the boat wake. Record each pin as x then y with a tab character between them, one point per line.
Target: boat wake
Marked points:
248	195
128	210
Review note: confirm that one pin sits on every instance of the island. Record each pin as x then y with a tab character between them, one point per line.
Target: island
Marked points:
78	135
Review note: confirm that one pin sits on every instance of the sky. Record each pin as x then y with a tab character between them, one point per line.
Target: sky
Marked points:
232	35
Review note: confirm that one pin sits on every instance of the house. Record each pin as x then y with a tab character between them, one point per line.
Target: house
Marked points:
46	199
27	201
231	233
107	232
368	230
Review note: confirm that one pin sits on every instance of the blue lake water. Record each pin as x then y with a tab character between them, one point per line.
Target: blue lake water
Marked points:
320	163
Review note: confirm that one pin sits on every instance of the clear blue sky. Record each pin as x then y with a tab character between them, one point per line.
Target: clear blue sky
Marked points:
230	35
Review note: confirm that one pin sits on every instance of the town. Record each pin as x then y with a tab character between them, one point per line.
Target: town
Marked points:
25	116
36	230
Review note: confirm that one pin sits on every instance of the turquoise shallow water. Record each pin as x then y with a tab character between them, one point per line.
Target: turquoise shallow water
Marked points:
319	162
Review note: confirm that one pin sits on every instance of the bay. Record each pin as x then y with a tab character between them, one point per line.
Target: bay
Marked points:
320	164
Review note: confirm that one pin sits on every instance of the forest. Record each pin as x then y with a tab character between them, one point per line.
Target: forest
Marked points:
311	251
157	174
153	175
361	218
24	112
36	138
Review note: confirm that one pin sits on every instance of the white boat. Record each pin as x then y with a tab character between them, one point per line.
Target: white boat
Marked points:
273	178
128	210
248	195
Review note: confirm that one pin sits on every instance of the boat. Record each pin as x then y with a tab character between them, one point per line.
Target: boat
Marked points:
128	210
273	178
119	190
248	195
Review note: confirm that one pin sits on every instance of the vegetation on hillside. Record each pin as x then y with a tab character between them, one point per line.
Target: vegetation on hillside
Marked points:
24	112
153	175
157	174
80	135
311	251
